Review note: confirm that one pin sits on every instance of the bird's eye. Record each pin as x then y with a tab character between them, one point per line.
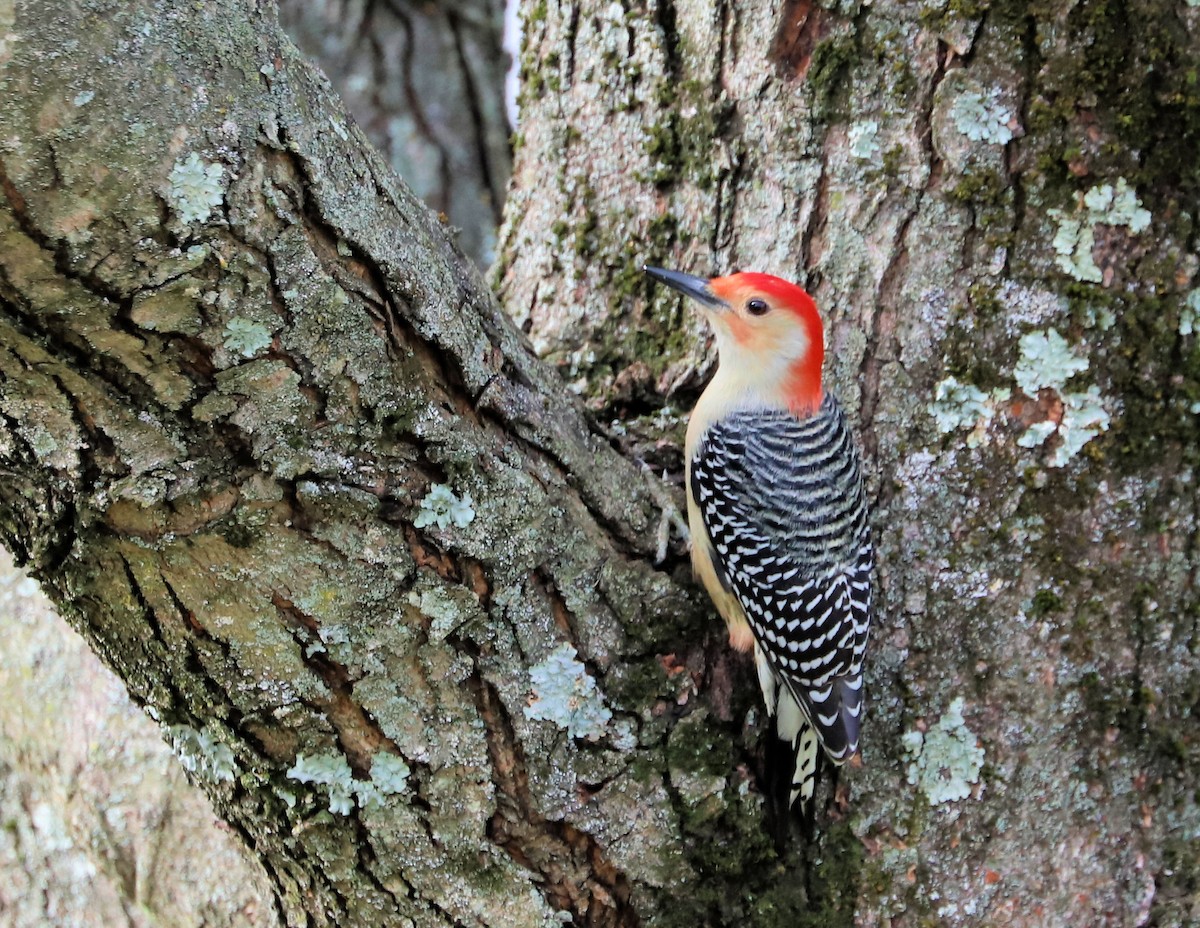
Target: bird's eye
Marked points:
757	307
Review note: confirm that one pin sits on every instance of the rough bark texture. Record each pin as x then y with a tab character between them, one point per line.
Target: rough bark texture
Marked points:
226	395
237	354
425	81
79	844
905	161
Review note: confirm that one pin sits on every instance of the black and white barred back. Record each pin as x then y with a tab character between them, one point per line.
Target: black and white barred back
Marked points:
783	503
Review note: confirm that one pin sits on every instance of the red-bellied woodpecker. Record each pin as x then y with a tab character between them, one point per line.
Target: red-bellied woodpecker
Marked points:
778	513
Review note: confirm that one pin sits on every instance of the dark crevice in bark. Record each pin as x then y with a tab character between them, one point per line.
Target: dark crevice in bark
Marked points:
543	580
882	323
402	331
523	415
219	703
1031	61
888	298
143	604
815	226
726	44
31	507
725	201
52	333
569	38
359	735
366	866
665	16
971	234
802	25
65	529
576	877
924	121
17	202
88	279
428	555
266	857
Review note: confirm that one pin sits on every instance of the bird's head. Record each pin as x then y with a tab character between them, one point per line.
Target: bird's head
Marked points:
769	336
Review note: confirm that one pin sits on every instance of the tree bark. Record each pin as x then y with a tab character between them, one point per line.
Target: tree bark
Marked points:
958	186
237	355
425	81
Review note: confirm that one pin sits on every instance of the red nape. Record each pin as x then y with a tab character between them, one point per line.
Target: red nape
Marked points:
803	387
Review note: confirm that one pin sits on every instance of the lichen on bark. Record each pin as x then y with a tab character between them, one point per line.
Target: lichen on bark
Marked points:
221	426
233	522
906	163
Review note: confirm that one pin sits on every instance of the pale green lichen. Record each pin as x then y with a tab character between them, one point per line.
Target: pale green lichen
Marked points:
245	337
1036	434
332	772
564	694
1076	233
946	760
982	117
335	634
195	188
959	405
84	97
337	637
442	508
864	140
1099	317
1190	313
389	773
1116	206
1072	246
328	770
1047	362
201	753
1084	417
389	777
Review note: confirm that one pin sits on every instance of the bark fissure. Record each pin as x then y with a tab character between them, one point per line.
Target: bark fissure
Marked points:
1031	65
218	700
359	736
802	25
815	227
295	469
575	875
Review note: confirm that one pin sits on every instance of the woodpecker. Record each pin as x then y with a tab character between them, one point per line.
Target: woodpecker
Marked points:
778	514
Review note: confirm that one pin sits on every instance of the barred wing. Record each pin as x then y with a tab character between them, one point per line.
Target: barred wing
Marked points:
782	501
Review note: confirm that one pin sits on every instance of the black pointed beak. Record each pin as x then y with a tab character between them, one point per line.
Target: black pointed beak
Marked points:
687	284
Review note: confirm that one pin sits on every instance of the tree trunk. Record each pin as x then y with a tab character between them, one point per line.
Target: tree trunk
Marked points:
242	367
425	81
962	189
273	448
